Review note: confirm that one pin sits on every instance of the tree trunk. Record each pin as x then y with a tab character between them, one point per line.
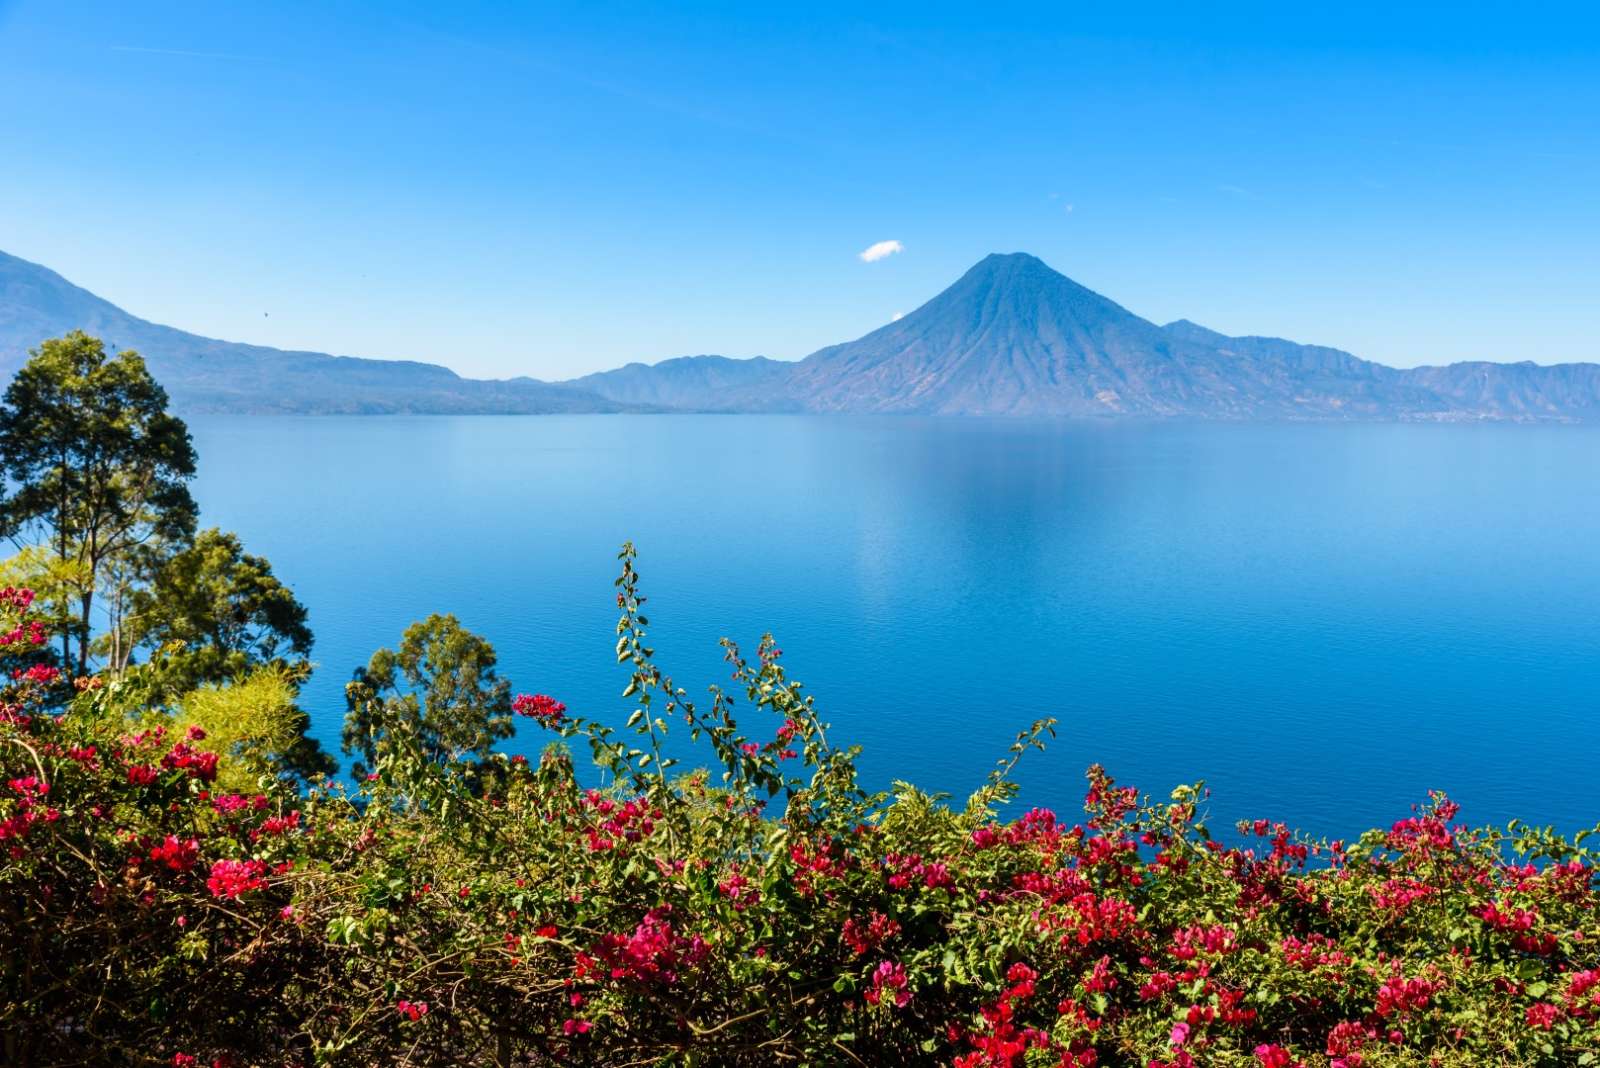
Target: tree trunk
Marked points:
83	635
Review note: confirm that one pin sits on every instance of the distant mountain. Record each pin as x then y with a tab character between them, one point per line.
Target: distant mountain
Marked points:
1563	392
1014	337
205	375
1010	337
694	383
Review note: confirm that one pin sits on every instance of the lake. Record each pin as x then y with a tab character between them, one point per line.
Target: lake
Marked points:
1321	621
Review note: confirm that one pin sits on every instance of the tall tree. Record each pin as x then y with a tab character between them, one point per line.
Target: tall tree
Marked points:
218	610
439	688
97	466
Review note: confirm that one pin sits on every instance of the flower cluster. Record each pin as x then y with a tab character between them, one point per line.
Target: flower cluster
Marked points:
235	878
540	707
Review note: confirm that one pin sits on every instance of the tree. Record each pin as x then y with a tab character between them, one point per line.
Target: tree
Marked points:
96	465
217	610
231	641
439	689
254	722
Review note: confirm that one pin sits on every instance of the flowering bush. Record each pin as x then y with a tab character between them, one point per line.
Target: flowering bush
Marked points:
766	911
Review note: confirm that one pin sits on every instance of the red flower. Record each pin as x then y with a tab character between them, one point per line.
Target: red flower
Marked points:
31	787
1543	1016
864	939
545	709
175	854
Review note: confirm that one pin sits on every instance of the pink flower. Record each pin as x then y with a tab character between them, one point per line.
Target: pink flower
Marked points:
1180	1035
654	952
739	890
232	878
1273	1057
888	980
411	1010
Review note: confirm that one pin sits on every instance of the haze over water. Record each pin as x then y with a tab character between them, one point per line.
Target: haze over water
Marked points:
1322	621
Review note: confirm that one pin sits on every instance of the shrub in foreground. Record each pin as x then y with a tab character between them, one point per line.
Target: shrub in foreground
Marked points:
769	911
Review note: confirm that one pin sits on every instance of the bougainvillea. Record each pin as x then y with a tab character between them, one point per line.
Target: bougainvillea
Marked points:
767	911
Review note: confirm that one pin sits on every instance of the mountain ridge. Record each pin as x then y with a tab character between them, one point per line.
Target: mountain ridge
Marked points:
204	374
1011	336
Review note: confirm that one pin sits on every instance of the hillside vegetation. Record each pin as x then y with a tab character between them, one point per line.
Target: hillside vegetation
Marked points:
461	907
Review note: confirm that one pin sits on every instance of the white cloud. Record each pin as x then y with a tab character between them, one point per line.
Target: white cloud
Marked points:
874	253
897	316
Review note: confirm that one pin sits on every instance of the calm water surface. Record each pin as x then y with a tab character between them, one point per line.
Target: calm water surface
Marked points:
1323	622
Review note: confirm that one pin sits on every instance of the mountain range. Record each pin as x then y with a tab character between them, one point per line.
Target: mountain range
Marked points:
202	374
1010	337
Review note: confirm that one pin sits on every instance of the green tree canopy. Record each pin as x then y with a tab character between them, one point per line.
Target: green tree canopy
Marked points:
254	722
218	611
439	690
96	466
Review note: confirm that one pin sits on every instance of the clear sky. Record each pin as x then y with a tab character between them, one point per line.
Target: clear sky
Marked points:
550	189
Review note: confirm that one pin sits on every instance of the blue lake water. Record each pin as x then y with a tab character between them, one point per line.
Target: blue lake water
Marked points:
1321	621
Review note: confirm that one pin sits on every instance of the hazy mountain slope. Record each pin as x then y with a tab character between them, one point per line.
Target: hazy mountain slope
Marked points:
1518	391
697	383
1311	381
204	374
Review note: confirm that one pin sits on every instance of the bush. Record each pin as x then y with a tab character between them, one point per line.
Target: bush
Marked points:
768	911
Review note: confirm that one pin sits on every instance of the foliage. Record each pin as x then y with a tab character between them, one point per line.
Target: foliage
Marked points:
255	724
54	583
218	611
767	911
96	462
438	691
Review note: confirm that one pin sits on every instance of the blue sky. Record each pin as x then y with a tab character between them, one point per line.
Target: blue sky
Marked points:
549	189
